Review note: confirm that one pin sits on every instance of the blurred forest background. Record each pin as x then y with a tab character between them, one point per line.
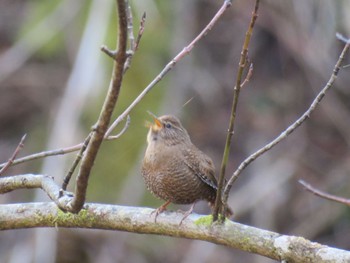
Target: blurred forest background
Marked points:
53	79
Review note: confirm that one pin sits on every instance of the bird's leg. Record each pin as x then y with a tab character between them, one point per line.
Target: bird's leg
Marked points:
159	210
187	213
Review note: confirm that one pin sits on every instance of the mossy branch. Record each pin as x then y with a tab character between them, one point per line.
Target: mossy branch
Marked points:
139	220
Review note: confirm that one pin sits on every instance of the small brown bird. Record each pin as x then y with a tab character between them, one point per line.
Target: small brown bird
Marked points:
174	169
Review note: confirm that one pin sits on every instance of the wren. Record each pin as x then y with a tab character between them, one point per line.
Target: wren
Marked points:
174	169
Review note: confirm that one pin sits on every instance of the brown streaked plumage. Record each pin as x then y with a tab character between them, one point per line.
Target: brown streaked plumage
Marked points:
174	169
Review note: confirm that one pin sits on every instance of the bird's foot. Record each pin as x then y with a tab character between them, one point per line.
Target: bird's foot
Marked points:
159	210
187	213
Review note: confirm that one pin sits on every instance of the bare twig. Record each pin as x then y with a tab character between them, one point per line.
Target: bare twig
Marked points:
325	195
130	26
185	51
44	154
103	121
111	53
75	163
126	126
242	63
249	75
343	38
15	153
140	33
62	151
291	128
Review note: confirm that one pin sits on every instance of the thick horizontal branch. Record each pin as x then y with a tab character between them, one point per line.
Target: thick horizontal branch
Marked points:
139	220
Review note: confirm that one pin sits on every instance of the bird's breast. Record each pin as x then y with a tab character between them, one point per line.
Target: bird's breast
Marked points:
158	153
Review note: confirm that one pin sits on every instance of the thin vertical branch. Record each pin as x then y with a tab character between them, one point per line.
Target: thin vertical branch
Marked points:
141	29
236	91
130	26
131	36
134	44
75	163
105	115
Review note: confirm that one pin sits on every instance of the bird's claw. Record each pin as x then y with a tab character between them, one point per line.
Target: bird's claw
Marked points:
159	210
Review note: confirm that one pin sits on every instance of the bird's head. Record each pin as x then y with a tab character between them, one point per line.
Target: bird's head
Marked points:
167	129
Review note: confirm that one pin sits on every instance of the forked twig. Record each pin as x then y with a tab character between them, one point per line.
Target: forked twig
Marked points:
83	148
133	44
126	126
325	195
103	121
291	128
185	51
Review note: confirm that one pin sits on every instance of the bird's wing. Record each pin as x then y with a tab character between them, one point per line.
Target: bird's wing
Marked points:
201	165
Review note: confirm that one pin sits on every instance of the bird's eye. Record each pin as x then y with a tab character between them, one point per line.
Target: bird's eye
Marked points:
168	125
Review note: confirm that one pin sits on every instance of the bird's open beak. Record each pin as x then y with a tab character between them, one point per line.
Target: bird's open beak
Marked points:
157	123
